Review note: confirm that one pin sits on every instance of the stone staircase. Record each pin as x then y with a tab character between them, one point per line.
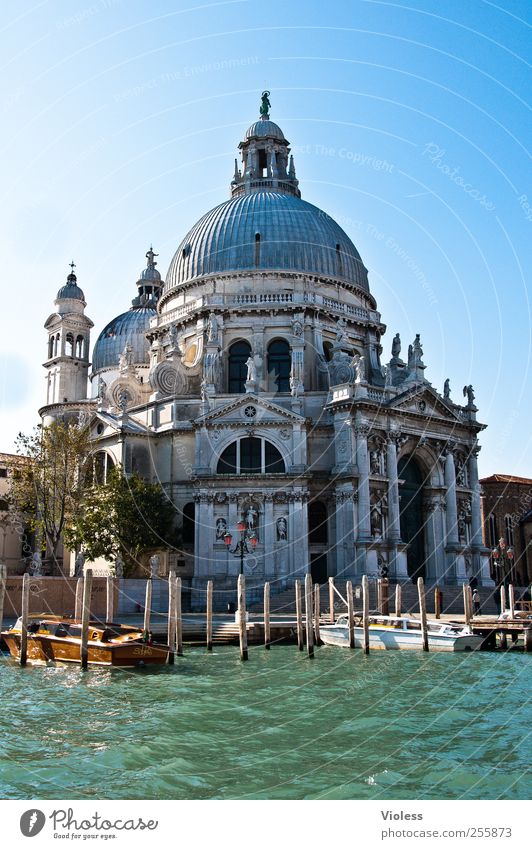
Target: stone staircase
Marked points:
284	601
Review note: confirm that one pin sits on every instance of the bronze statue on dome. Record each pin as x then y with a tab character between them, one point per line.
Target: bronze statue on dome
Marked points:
265	105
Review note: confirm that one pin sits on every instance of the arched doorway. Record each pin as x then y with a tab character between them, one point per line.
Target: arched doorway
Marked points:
411	517
318	539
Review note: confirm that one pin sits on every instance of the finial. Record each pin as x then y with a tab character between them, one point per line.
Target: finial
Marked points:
72	277
150	256
265	106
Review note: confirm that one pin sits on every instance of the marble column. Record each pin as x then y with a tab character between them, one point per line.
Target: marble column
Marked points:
394	529
269	537
476	523
450	500
364	526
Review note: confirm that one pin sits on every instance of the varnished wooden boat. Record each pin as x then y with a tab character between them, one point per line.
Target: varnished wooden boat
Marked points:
57	639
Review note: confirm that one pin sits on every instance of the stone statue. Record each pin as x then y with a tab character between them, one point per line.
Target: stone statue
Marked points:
411	362
447	389
468	391
359	363
79	564
252	370
221	528
417	349
212	329
119	566
282	528
375	462
102	388
123	399
341	324
387	373
203	392
251	517
265	104
36	565
125	360
396	346
172	335
154	566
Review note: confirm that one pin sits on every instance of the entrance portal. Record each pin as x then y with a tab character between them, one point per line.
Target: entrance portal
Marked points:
412	527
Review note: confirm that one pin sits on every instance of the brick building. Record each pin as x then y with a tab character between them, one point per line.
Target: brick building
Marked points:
507	513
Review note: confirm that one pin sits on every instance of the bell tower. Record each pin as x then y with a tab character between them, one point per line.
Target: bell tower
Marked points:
67	363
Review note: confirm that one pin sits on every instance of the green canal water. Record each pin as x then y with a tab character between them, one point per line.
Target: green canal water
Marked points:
343	726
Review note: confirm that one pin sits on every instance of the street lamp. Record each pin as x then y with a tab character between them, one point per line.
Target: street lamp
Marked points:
503	559
248	538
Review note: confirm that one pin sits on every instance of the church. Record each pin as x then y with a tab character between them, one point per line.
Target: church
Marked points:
252	383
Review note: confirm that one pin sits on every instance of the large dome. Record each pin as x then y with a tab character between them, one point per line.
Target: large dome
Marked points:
126	329
266	230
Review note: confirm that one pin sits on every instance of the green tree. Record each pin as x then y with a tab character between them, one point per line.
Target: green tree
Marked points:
47	486
124	516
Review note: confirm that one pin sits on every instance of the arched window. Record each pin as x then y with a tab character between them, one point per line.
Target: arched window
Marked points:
189	517
238	354
492	531
317	523
50	347
79	347
98	468
69	345
250	456
279	364
56	345
327	351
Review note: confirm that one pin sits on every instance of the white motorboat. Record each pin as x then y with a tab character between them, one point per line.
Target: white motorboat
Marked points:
402	632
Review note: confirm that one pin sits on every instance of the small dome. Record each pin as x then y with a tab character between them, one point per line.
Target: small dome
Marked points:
71	289
263	128
126	329
150	273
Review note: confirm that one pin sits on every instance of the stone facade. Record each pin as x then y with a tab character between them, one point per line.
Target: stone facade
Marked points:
507	514
258	393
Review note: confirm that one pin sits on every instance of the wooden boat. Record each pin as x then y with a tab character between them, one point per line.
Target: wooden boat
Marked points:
403	633
57	639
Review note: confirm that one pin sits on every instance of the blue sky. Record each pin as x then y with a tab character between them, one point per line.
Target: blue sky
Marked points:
409	124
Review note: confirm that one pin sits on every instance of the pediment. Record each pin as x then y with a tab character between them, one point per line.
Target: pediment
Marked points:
424	401
112	425
250	409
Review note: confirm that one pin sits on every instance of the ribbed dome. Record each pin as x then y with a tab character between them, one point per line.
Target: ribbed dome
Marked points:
71	290
294	236
263	128
128	328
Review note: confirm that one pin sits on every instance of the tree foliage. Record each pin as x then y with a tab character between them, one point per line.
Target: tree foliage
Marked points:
123	516
47	487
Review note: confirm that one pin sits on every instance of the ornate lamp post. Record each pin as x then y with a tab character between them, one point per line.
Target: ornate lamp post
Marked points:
248	538
503	561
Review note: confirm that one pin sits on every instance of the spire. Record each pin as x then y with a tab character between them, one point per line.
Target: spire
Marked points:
72	277
292	168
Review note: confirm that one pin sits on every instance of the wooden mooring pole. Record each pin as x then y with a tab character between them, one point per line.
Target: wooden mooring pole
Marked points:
503	600
242	624
511	601
85	617
110	598
379	595
350	613
78	599
209	615
331	601
267	635
3	579
317	600
437	602
24	623
178	617
467	608
299	614
398	599
527	635
171	617
365	613
423	613
147	604
308	614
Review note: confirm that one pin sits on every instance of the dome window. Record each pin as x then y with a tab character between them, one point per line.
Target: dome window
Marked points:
339	263
186	250
257	250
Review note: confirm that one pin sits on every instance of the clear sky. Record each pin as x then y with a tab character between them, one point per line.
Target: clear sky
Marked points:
409	124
